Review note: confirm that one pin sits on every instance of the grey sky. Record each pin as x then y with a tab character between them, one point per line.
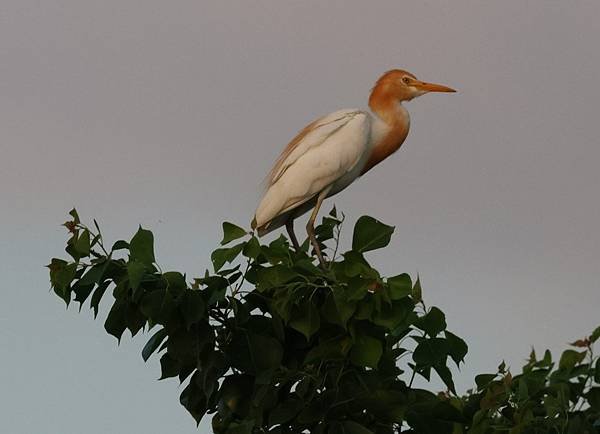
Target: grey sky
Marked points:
169	114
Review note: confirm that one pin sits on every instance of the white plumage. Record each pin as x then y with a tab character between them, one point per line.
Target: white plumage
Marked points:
329	156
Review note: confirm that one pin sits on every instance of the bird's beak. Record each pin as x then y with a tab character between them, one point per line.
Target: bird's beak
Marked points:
432	87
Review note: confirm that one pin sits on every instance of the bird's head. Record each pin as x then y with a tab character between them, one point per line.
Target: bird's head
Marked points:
404	86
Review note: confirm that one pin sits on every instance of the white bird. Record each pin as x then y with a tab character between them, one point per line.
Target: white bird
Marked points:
330	153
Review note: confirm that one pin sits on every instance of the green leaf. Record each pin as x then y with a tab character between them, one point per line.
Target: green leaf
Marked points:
336	349
192	307
304	386
183	345
277	251
593	397
430	352
255	353
141	247
570	358
266	352
94	274
457	348
176	283
116	321
351	427
432	323
446	376
597	371
211	367
552	406
157	305
240	427
82	292
595	335
120	245
61	273
169	367
370	234
153	343
251	248
546	361
482	380
522	391
391	316
135	319
135	271
193	399
238	352
97	296
95	241
285	411
400	286
220	256
216	287
282	305
366	351
357	288
277	275
232	232
344	307
532	357
417	292
61	276
364	310
306	267
355	265
325	231
231	273
312	413
73	213
305	319
446	411
82	245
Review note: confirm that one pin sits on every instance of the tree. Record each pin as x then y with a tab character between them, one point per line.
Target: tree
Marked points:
271	343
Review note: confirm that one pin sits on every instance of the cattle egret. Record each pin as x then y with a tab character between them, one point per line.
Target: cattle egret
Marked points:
333	151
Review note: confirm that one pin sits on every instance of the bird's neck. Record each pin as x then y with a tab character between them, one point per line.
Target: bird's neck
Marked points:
389	129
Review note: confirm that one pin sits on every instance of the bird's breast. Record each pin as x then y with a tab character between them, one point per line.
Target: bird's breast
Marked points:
395	126
387	136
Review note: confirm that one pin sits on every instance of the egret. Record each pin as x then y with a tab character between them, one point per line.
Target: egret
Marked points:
333	151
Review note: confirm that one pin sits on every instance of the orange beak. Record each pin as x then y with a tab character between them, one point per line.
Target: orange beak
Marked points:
432	87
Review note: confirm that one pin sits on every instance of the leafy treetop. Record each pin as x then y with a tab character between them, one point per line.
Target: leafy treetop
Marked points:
270	343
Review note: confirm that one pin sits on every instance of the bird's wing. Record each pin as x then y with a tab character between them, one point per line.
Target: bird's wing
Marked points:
311	136
322	153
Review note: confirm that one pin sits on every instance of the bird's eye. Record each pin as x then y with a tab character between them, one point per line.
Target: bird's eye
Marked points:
405	80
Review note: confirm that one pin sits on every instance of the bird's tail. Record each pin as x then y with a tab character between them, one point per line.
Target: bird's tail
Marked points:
269	226
260	230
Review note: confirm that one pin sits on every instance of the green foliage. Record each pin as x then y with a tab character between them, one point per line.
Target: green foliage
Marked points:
270	342
370	234
543	398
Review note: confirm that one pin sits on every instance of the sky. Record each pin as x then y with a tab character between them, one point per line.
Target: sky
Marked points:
169	115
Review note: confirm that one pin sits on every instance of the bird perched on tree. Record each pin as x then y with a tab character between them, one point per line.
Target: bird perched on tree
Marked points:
333	151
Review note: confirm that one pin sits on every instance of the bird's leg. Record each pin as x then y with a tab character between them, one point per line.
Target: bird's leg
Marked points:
289	225
310	226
